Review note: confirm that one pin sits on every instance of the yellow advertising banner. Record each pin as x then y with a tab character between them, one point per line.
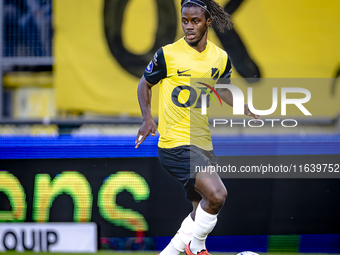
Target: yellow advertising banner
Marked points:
103	46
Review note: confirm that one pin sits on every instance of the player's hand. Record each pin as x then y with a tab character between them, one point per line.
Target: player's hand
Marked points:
148	127
249	113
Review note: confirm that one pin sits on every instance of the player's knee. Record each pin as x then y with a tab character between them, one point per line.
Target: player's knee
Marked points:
217	199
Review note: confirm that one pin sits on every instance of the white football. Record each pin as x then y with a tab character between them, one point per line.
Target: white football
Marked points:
247	253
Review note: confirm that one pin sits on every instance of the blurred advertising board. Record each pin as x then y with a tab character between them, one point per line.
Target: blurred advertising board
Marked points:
48	237
128	194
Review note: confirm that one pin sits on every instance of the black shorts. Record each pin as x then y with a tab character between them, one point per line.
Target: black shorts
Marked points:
180	160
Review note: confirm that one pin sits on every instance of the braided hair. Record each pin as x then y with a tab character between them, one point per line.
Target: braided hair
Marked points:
220	18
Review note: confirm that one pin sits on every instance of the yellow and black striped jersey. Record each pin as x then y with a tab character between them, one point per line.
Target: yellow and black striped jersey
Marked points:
179	68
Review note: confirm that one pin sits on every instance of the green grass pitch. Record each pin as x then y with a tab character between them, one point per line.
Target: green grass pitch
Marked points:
150	253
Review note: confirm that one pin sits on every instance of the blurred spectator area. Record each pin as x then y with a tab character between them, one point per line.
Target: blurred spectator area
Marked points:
27	28
26	59
28	94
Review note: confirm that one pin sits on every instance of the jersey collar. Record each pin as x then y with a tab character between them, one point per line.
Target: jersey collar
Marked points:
194	52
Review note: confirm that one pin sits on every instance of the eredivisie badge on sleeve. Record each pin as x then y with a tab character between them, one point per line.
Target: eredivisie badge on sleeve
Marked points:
149	67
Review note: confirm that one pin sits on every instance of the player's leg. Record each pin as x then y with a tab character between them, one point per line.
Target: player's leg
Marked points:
177	162
212	190
213	193
194	206
183	235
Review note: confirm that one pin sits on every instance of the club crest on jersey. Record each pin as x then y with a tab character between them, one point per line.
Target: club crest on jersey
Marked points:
149	67
215	73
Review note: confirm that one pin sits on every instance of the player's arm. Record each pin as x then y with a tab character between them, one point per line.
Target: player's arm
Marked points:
155	72
226	95
144	99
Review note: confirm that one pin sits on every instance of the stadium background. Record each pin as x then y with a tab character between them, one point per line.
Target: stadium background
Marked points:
69	116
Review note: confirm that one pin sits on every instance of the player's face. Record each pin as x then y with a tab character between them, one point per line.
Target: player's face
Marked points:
194	24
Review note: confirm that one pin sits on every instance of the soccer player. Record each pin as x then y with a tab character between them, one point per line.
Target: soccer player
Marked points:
173	66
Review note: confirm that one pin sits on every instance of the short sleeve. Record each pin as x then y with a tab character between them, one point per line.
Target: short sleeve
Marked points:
156	70
227	71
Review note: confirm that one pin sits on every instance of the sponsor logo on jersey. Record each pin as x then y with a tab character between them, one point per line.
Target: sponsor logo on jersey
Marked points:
154	60
183	73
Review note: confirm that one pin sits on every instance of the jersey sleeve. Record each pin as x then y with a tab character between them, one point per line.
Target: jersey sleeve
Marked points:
227	72
156	70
